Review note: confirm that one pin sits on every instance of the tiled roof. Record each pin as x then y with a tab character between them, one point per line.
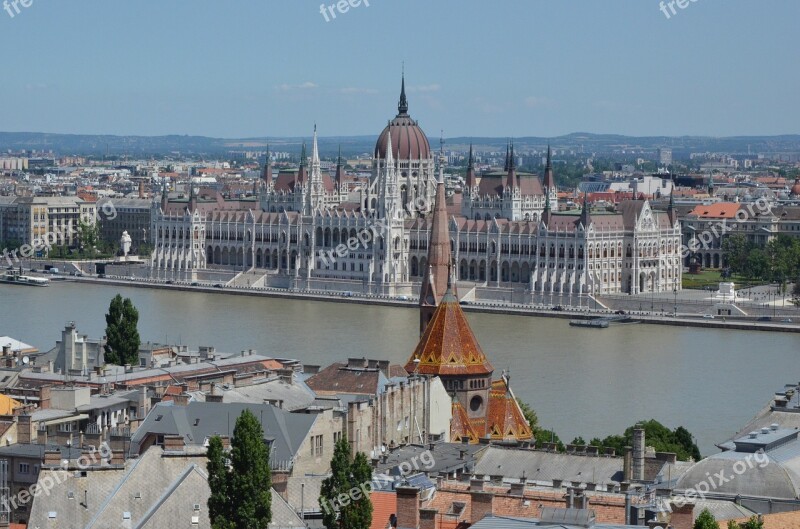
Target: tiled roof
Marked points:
505	419
448	346
384	505
460	425
338	378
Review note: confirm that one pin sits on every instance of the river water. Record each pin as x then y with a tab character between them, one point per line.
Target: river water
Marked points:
586	382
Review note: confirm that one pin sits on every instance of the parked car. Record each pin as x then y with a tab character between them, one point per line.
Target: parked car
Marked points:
786	320
620	312
708	316
558	307
765	318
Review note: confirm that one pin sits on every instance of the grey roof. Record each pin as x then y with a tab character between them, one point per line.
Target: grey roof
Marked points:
511	522
295	396
777	479
199	421
36	451
131	497
443	457
541	468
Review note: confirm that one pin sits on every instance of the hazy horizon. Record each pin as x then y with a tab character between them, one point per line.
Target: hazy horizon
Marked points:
259	69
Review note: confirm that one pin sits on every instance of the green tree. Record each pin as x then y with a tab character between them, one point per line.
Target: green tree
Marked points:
542	436
240	482
122	335
735	247
358	513
250	481
337	483
706	520
88	237
529	414
349	480
752	523
219	508
578	441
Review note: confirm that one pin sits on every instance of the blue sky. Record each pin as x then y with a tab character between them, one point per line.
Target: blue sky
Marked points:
502	68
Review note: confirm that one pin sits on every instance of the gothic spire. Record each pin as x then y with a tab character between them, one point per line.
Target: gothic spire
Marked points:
339	169
511	178
434	283
549	182
267	173
586	214
402	107
471	180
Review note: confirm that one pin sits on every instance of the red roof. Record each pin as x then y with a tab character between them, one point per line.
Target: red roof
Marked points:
448	346
384	505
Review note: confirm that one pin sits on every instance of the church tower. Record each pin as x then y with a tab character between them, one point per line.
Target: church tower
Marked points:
435	279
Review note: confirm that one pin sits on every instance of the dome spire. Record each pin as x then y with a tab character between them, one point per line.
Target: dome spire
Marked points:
402	107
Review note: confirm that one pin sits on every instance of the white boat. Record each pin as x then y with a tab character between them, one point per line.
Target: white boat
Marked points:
16	278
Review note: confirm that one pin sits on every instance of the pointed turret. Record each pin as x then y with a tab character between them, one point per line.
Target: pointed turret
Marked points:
471	180
434	283
402	106
511	176
506	166
302	172
549	183
586	215
546	213
339	177
671	211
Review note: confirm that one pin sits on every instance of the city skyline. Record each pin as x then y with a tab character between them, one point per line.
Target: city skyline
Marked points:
653	75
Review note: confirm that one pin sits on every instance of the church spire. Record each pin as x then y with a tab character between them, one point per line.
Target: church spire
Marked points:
546	213
339	178
471	180
511	177
302	171
549	183
402	106
435	279
586	214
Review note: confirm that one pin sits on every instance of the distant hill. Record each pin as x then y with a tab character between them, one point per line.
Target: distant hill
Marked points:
143	146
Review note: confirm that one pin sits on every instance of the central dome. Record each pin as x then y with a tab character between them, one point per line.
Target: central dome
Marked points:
408	140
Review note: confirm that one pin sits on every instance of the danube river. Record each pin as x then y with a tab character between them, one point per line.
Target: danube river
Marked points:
586	382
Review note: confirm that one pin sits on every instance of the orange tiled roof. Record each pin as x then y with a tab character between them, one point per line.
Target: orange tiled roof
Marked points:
719	210
460	425
505	418
384	504
448	346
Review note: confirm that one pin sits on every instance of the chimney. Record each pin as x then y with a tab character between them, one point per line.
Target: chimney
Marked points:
117	457
286	375
174	443
627	461
427	518
408	515
476	484
141	189
226	442
482	505
24	429
6	350
682	515
52	458
518	489
638	453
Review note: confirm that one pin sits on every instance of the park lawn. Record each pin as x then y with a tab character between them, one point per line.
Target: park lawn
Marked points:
712	278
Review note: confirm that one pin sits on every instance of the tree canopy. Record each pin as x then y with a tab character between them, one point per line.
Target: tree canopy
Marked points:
122	335
240	482
349	481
